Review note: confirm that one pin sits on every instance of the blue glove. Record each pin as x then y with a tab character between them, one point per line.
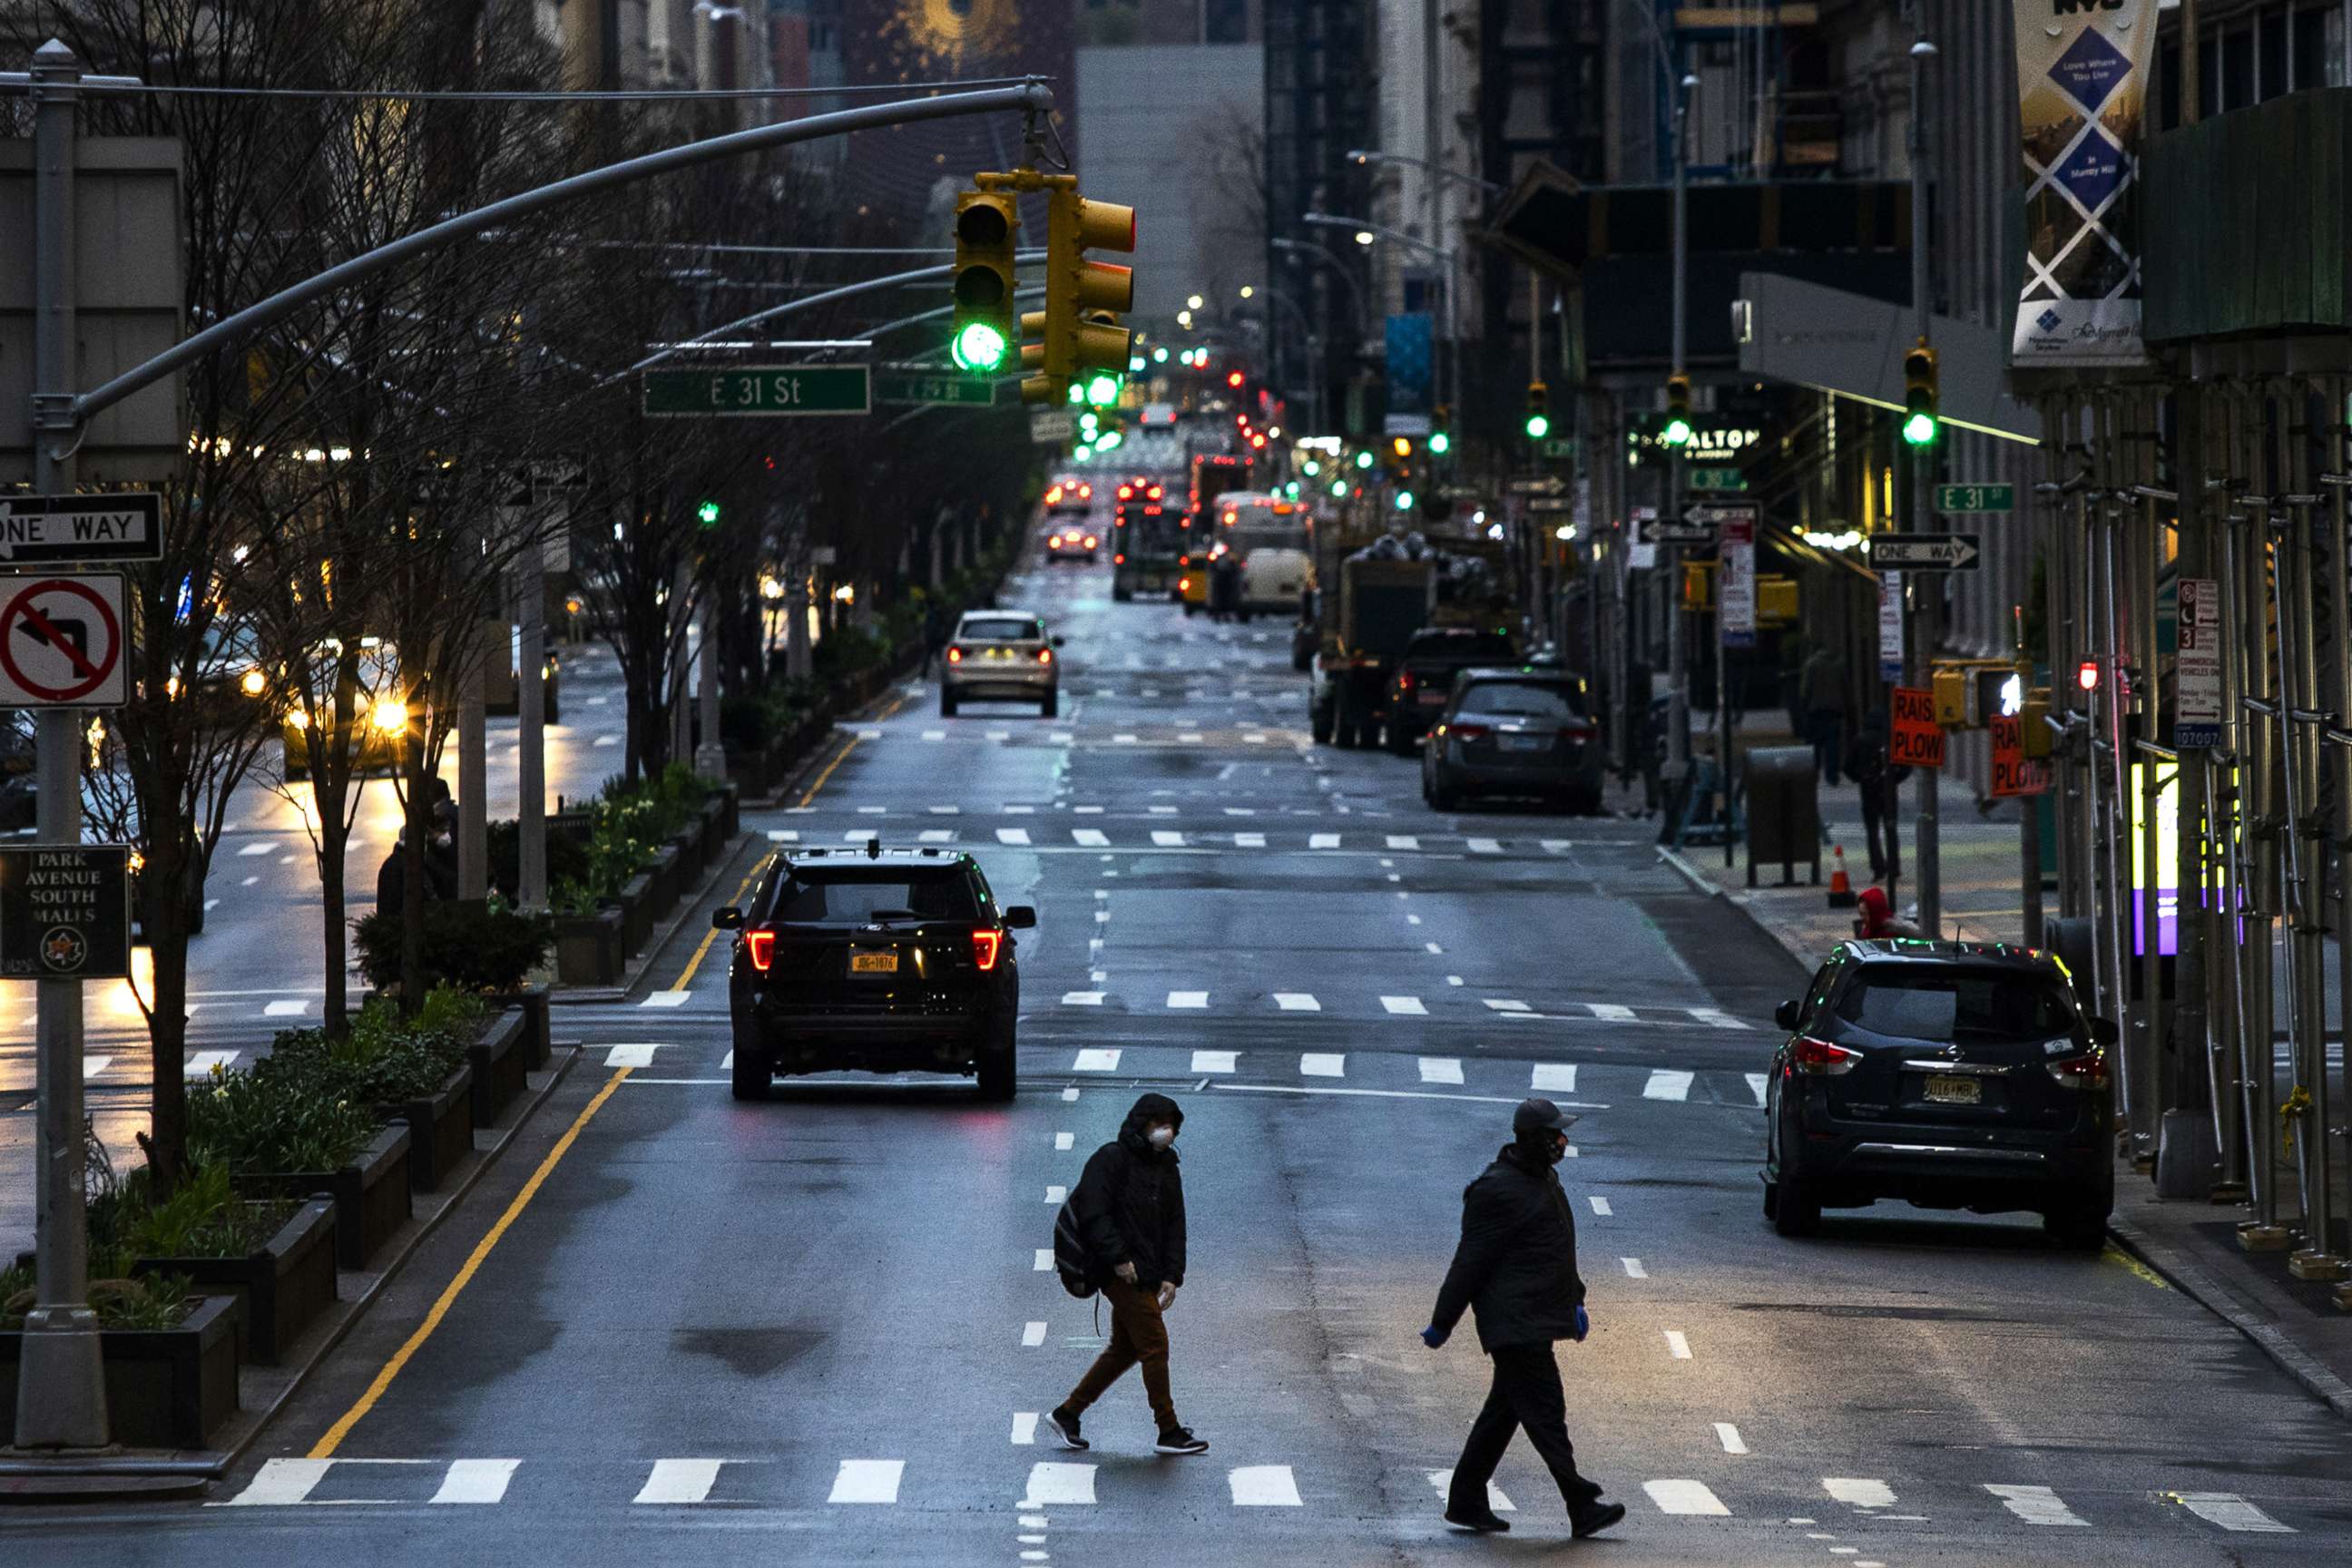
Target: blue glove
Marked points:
1434	1337
1583	1324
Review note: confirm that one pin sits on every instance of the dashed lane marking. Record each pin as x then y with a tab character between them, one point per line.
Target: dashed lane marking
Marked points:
2036	1505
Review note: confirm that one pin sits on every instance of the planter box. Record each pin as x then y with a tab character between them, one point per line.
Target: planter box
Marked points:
714	834
663	879
538	1025
165	1388
636	902
370	1195
500	1059
691	861
590	950
440	1130
283	1286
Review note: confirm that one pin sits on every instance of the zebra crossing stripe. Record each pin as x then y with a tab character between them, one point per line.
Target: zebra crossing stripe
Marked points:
2036	1505
1685	1497
201	1064
475	1481
1506	1004
1409	1007
1667	1084
1559	1078
1167	838
1611	1012
1859	1493
1756	1086
867	1481
1082	999
1485	847
1441	1481
1323	1064
1249	840
667	999
1095	1060
1052	1482
1716	1017
280	1483
1297	1002
93	1066
679	1482
1091	837
1404	841
1322	841
1441	1069
1013	835
639	1056
1214	1061
1192	1000
1264	1486
2230	1512
1024	1429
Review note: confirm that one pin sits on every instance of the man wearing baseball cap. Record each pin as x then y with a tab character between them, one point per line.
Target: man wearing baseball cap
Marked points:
1516	1268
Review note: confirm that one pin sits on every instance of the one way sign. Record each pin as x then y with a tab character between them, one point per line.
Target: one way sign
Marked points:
1924	552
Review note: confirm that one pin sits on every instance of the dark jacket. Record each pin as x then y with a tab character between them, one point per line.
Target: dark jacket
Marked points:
1130	1202
1516	1263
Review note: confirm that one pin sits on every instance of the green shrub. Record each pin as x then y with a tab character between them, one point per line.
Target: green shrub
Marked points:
156	1301
206	1218
273	1122
566	857
467	945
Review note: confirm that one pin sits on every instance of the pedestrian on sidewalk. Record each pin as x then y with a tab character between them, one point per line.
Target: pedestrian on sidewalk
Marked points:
1129	1206
1821	690
1866	764
1516	1268
1878	918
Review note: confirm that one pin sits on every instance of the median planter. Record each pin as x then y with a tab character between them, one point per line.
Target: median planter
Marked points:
713	826
538	1025
636	902
500	1060
590	950
283	1286
370	1194
440	1128
165	1388
667	880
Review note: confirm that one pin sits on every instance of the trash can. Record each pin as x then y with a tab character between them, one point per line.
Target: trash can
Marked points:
1784	812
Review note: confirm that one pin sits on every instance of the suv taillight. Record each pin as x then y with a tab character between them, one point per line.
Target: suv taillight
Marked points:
759	946
985	944
1461	732
1821	1059
2086	1071
1044	655
1404	681
955	656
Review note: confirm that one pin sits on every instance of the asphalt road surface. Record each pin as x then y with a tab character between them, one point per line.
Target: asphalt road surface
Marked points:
818	1331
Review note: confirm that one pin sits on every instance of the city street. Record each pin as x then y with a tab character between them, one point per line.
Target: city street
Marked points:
823	1330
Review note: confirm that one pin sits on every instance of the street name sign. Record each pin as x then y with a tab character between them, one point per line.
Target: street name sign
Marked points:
1915	740
1959	499
1924	552
759	391
1547	484
1656	531
38	530
1559	447
933	387
65	912
1715	481
1052	425
1712	514
2200	708
61	641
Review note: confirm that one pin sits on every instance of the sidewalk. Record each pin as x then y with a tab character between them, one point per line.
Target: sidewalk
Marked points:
2193	1245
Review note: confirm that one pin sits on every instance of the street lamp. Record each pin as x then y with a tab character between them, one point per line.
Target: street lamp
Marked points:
1439	170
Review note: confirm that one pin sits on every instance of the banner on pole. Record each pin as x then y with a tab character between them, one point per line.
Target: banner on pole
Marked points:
2081	89
1890	626
1735	582
2198	712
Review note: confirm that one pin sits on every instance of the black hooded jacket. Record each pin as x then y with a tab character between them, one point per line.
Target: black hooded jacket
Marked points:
1130	1202
1516	1263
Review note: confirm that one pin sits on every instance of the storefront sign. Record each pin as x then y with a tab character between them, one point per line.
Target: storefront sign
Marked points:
1914	740
2197	721
2082	83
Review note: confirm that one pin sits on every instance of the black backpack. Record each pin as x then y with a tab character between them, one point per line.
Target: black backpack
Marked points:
1070	1253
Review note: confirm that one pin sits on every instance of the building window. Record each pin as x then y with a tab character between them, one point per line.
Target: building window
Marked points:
2237	70
2316	64
2272	31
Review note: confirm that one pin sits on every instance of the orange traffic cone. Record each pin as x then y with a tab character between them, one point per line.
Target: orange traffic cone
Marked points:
1842	896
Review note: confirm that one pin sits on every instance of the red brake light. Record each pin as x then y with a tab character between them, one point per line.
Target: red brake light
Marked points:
759	946
1044	655
1404	681
1126	492
2086	1071
1819	1058
1086	492
1054	542
984	946
955	656
1233	378
1469	731
1092	541
1120	559
1053	495
1151	494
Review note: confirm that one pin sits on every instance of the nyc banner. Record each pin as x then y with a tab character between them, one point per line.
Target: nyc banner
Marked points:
2081	89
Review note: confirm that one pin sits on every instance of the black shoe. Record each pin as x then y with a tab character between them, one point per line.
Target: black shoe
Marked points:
1486	1523
1594	1518
1179	1440
1066	1427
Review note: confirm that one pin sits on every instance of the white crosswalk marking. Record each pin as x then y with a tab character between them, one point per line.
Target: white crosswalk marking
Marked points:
475	1481
1082	999
935	734
1297	1002
1716	1017
1323	1064
1069	1140
1013	835
1600	1204
1193	1000
1756	1086
666	999
285	1009
999	734
943	810
1161	810
1728	1435
1167	838
727	1062
1249	840
1859	1493
1505	1004
1095	1060
679	1482
1666	1084
639	1056
280	1483
1042	1260
1033	1334
783	835
2036	1505
867	1480
1441	1069
1054	1195
1677	1344
1091	837
1404	841
1633	1269
1442	1481
1555	845
1264	1486
201	1064
1024	1429
2230	1512
1485	847
1409	1006
93	1066
1125	740
1611	1012
1052	1482
1560	1079
1684	1497
259	847
1322	841
937	835
1214	1061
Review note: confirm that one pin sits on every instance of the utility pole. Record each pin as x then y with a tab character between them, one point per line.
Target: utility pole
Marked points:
61	1379
1926	587
531	708
1677	657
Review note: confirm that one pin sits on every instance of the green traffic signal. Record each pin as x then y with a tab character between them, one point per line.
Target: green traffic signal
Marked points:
1440	443
1919	429
1310	468
708	513
1078	393
1405	501
1102	389
979	347
1538	427
1678	432
1107	440
1363	459
1338	487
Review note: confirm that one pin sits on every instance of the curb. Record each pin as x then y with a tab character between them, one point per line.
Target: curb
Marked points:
1701	884
2199	1286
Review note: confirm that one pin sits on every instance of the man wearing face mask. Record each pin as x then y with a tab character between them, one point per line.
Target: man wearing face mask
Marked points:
1130	1205
1515	1267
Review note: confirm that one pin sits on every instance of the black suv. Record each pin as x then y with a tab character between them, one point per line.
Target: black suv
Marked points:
874	958
1950	1075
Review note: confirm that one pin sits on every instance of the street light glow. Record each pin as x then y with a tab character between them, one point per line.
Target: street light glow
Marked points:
1194	302
1247	290
1364	236
1184	319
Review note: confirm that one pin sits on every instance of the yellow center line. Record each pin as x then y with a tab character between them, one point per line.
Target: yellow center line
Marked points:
326	1446
837	759
708	937
2134	1266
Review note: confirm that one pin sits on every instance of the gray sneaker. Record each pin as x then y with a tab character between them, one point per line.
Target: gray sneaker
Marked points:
1066	1427
1179	1440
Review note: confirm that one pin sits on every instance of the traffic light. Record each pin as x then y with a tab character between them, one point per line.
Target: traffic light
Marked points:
1103	385
1234	378
985	225
1440	441
1920	420
1538	411
1402	447
1678	431
707	514
1078	341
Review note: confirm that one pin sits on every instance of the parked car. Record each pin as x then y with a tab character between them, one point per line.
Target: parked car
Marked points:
1948	1075
1001	656
1512	731
874	960
1424	678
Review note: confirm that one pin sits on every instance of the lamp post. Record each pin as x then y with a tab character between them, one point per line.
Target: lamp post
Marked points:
1677	655
1927	588
1447	263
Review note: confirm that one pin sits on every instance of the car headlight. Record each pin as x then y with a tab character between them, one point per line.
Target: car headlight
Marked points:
253	683
391	715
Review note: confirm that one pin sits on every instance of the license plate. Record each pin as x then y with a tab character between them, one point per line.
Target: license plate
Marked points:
873	963
1432	698
1955	1090
1525	742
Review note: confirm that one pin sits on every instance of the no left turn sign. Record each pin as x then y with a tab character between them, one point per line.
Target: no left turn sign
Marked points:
61	641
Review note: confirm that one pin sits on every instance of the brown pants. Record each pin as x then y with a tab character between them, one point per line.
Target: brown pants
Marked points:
1138	1334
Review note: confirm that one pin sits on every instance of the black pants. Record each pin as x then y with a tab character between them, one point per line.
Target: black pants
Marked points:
1882	828
1526	1393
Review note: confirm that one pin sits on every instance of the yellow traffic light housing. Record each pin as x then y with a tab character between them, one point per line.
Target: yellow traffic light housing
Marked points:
1678	431
1083	298
1950	684
1921	419
1539	425
986	226
2033	736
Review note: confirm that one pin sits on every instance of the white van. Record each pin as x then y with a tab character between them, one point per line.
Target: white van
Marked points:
1270	536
